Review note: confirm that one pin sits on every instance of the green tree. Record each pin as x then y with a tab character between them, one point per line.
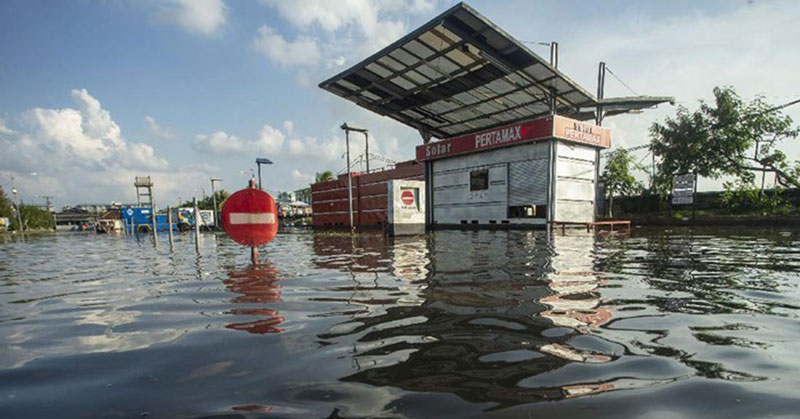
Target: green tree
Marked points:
6	208
35	218
325	176
729	137
304	194
617	177
207	203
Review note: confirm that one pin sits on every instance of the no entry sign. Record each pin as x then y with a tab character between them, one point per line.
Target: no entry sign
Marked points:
250	217
407	197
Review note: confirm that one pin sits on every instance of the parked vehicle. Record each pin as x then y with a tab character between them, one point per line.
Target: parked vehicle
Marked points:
141	220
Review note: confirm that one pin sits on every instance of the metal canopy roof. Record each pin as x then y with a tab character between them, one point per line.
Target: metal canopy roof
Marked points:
460	73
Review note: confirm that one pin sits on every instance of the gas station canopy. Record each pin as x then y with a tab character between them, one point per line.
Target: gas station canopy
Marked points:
459	73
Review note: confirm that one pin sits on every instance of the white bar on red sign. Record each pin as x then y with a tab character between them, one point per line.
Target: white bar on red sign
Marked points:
251	218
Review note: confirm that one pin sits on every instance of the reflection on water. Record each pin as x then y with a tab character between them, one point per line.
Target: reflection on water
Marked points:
256	284
494	313
457	324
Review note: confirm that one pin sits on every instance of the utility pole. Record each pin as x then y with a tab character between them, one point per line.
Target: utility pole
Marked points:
366	145
349	177
214	199
601	84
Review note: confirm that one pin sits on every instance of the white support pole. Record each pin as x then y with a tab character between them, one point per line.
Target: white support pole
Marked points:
196	226
169	226
349	179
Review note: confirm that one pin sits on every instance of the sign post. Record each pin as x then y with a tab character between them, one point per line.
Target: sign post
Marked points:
684	188
250	218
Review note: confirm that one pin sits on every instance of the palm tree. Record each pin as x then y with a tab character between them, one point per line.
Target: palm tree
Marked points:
325	176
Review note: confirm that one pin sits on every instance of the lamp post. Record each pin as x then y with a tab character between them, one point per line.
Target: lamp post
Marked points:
347	129
364	131
19	210
259	162
214	199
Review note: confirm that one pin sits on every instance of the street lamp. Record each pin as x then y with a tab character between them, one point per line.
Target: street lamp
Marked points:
16	204
347	130
259	162
214	198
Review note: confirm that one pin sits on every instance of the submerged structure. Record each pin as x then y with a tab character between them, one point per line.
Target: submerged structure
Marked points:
508	139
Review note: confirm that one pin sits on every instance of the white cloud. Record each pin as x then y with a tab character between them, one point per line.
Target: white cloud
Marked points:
219	142
301	51
206	17
304	178
157	130
334	63
80	154
270	141
4	129
288	126
351	29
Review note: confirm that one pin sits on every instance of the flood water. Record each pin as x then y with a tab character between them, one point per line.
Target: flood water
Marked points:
661	323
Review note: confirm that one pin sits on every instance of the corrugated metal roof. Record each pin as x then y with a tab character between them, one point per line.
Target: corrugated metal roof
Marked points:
460	73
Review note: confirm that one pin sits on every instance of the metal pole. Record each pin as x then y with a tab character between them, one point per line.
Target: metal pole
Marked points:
366	139
601	83
19	211
349	178
214	199
554	54
155	221
169	225
259	175
254	255
196	226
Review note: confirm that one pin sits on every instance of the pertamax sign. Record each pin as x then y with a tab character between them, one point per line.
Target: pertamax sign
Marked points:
522	132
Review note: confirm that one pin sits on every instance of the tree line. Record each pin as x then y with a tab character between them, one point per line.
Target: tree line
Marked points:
33	217
728	137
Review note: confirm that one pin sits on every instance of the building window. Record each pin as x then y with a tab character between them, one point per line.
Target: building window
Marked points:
479	180
527	211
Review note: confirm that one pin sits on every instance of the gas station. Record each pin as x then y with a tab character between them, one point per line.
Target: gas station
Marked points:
507	138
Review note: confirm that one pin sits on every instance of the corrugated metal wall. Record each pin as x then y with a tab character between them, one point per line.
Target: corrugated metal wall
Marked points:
575	174
370	204
527	182
454	203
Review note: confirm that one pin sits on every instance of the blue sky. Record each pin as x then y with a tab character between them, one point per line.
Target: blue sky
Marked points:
94	93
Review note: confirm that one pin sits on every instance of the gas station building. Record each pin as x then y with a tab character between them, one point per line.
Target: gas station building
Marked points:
507	139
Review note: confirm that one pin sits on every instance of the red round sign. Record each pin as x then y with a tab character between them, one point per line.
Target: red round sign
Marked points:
250	217
407	197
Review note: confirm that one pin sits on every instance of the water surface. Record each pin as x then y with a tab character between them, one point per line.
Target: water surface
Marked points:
661	323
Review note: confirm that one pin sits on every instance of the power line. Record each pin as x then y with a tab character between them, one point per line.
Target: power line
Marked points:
546	44
620	80
764	112
629	149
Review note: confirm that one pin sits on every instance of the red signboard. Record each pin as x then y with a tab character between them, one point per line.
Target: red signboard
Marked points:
522	132
581	132
407	197
250	217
